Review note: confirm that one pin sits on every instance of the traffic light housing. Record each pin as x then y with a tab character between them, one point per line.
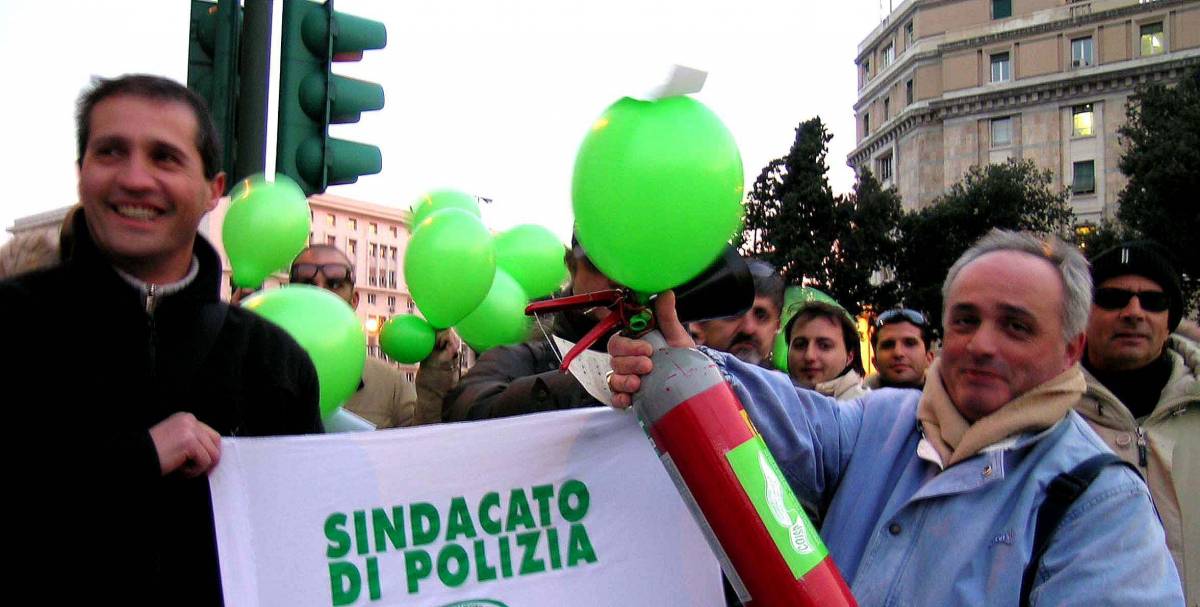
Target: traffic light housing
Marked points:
213	66
311	97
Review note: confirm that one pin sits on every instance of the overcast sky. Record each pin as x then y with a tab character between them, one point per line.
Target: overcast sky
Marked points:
489	97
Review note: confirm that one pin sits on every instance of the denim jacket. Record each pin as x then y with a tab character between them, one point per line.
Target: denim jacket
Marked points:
905	532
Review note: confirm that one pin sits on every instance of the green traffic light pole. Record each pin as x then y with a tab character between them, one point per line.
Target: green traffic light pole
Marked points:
254	67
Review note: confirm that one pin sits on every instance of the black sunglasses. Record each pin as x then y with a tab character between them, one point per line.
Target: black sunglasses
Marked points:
1116	299
336	274
901	315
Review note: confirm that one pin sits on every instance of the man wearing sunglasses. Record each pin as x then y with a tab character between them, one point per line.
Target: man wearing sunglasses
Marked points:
900	342
1143	394
385	397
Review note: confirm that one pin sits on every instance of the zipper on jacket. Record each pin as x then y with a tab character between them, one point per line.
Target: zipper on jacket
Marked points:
151	302
1141	446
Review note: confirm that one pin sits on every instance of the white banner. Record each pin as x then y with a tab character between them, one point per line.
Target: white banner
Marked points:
564	508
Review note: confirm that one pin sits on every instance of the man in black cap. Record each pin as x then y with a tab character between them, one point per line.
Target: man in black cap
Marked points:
1143	395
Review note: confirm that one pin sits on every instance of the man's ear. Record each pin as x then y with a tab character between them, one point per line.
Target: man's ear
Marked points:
354	299
1075	349
216	190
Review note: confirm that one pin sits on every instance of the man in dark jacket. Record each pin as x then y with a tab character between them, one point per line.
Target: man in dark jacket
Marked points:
512	380
130	368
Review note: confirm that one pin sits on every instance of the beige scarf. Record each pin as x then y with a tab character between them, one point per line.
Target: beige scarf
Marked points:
956	439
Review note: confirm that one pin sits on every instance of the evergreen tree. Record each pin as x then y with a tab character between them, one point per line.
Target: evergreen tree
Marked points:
1015	195
1162	161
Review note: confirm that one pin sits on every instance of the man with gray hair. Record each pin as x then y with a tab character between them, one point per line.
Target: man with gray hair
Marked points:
945	497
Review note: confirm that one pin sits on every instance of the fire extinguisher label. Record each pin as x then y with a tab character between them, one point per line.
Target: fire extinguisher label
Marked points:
777	506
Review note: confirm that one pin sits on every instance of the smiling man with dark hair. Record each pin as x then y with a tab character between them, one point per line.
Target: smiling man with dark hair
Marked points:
131	368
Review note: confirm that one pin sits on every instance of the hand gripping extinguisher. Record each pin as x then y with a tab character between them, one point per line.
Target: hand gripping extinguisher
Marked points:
732	485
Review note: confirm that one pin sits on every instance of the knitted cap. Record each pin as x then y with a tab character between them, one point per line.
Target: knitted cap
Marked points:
1146	259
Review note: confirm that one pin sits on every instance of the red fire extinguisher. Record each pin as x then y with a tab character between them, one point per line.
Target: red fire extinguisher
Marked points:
768	548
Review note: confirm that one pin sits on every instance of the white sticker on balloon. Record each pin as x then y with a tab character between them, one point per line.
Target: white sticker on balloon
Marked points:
683	80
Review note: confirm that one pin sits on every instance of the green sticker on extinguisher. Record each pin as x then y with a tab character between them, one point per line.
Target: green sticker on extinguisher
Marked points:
777	506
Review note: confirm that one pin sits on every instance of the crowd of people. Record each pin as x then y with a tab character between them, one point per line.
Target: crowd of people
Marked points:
929	477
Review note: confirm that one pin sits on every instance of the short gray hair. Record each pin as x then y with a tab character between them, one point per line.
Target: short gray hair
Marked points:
1071	265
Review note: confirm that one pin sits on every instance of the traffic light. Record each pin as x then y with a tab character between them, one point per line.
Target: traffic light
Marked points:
213	66
311	97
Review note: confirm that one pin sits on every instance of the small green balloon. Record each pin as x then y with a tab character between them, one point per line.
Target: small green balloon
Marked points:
449	266
533	256
328	330
657	191
407	338
437	200
266	227
500	319
779	352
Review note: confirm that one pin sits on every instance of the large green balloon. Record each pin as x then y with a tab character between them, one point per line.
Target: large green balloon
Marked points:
657	191
500	319
407	338
449	266
533	256
327	328
437	200
266	227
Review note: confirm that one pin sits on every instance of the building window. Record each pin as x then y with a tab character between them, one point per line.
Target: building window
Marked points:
352	246
392	279
331	241
330	220
393	253
391	301
373	228
353	223
1081	52
410	305
1001	9
1081	120
371	278
374	249
1001	132
866	69
888	56
908	35
1084	180
867	123
1153	42
395	232
883	166
908	92
1001	68
371	298
887	108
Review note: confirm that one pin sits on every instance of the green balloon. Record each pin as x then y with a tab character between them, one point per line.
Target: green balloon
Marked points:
266	227
657	191
533	256
327	328
449	266
437	200
407	338
780	351
500	319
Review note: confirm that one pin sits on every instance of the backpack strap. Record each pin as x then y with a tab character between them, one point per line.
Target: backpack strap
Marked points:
1062	492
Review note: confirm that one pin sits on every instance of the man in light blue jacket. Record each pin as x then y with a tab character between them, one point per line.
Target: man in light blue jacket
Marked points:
931	498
